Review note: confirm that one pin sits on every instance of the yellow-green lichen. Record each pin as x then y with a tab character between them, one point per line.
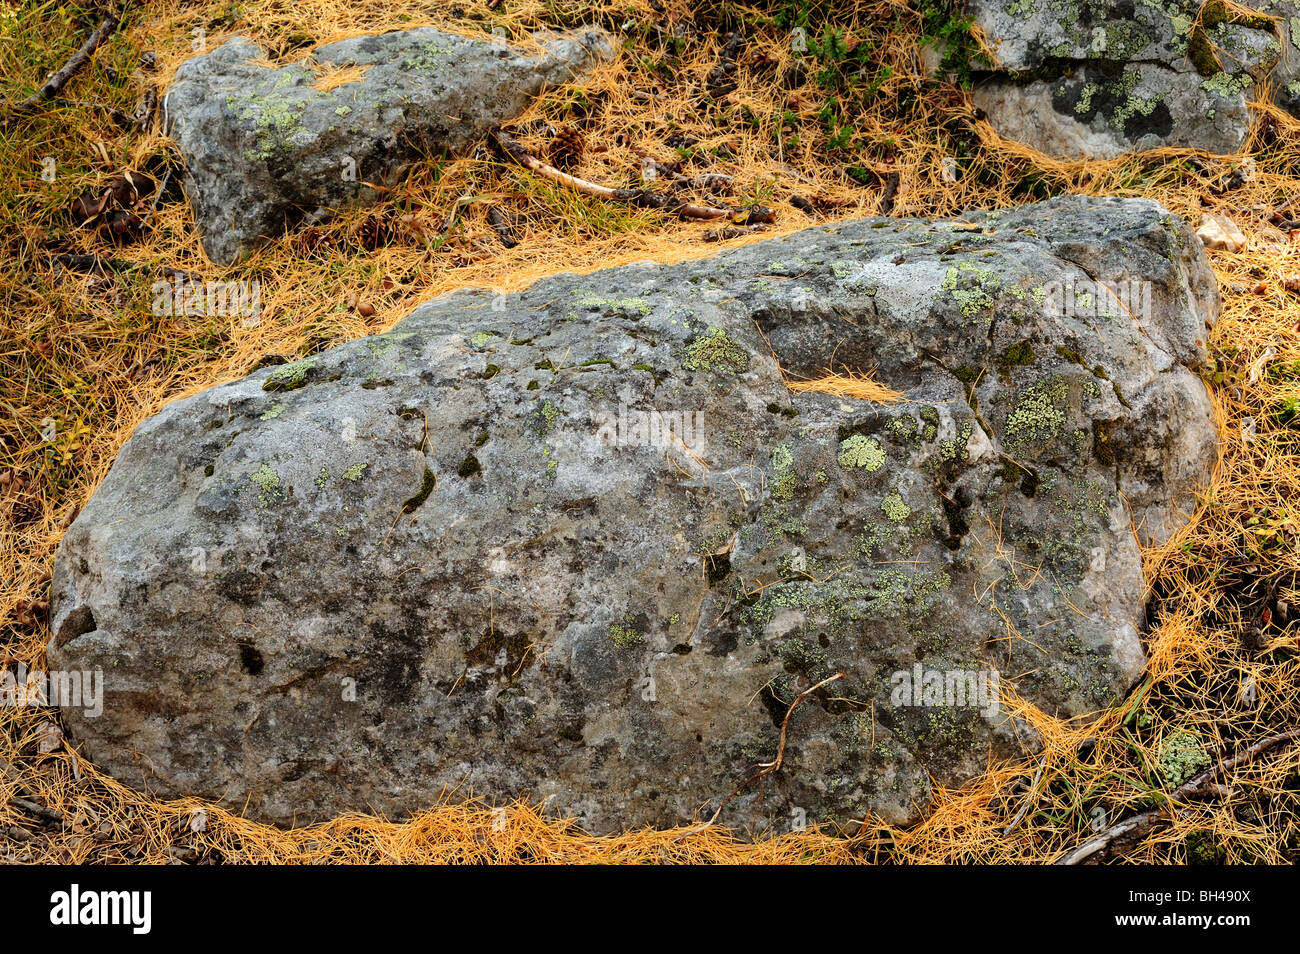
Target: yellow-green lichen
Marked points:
895	508
784	480
956	448
1040	415
1181	757
860	451
288	377
268	481
715	351
624	636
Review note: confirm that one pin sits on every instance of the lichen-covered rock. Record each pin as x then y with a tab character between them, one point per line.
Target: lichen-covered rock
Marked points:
266	148
1095	78
1286	76
581	543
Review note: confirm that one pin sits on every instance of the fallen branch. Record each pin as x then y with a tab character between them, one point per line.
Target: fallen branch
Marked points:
639	197
764	768
1205	783
731	232
54	85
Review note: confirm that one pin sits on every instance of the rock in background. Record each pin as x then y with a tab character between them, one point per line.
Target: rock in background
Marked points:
581	543
265	149
1095	78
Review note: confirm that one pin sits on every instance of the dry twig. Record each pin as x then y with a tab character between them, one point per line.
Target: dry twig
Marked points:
1199	785
54	85
764	768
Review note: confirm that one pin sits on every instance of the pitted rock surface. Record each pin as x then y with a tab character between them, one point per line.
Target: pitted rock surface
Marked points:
581	543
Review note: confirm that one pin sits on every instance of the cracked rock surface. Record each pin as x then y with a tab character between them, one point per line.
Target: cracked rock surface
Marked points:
582	544
266	148
1096	78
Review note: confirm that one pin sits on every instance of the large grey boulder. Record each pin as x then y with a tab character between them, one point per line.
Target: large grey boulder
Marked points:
265	148
581	543
1096	78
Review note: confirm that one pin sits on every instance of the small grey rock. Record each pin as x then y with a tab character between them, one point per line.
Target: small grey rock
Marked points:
265	149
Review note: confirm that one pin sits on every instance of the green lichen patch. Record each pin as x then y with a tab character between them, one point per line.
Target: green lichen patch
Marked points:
268	482
273	117
861	451
716	352
546	416
1181	757
956	449
895	508
629	307
784	480
972	287
624	636
354	472
289	377
1040	414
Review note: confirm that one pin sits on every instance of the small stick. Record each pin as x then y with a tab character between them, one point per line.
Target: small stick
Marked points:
765	768
54	85
890	192
40	811
1203	784
1029	799
642	197
144	110
502	226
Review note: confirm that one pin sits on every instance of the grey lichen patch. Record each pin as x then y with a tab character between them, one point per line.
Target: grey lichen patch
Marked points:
860	451
715	351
